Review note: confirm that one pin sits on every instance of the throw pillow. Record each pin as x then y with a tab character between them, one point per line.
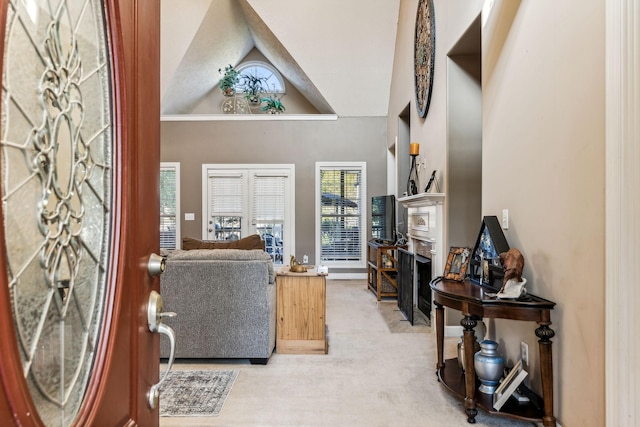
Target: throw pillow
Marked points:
250	242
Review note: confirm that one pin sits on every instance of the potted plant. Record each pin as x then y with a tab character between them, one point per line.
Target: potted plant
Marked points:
230	78
253	86
272	105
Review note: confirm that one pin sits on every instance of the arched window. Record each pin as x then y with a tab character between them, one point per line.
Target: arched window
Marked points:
268	76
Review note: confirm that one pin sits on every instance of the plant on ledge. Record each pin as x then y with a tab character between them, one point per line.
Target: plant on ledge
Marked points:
253	86
272	105
230	78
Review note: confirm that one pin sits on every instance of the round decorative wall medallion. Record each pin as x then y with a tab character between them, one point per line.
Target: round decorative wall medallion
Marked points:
424	55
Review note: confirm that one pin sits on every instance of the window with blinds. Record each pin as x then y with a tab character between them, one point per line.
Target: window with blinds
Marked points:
226	196
169	205
269	212
249	199
341	194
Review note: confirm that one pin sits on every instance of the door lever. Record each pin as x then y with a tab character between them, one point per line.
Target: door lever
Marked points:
155	314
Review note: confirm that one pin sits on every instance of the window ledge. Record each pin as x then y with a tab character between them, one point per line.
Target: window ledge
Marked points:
244	117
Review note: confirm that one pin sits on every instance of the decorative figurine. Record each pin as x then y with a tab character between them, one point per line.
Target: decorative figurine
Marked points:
513	263
295	266
513	284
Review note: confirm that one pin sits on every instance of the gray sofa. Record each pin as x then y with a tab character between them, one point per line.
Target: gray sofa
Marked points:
225	300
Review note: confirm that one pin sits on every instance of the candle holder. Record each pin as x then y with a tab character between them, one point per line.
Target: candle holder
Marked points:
412	182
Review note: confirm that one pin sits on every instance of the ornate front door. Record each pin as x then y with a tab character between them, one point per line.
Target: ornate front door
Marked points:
79	180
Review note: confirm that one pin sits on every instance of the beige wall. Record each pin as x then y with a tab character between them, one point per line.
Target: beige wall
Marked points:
543	142
299	142
543	136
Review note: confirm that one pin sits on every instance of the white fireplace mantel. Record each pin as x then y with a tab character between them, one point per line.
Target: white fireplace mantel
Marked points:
425	227
422	199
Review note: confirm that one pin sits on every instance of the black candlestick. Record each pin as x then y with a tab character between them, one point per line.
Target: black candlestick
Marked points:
412	183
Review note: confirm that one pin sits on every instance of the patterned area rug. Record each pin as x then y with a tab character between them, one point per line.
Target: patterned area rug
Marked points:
195	393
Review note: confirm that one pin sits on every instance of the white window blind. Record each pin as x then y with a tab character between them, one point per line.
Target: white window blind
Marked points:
169	205
245	199
341	202
226	193
268	199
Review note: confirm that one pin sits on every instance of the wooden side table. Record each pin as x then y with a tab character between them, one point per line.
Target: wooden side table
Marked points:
301	312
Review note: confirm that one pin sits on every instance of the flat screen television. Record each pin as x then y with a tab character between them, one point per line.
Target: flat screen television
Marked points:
383	218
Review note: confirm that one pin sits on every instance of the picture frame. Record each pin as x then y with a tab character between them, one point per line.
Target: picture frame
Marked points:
457	261
510	383
431	179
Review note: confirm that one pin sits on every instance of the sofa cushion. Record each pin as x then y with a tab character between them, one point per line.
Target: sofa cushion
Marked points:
250	242
229	255
219	255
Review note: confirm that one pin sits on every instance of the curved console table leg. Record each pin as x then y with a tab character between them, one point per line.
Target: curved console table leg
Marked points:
468	322
440	336
545	333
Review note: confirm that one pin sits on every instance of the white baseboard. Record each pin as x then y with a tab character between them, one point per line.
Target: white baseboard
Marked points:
347	276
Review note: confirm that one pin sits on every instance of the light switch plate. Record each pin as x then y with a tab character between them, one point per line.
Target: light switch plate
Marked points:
189	217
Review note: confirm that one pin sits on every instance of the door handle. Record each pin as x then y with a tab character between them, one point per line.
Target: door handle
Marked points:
155	313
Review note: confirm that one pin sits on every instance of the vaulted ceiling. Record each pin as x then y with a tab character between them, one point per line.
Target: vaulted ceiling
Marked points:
337	53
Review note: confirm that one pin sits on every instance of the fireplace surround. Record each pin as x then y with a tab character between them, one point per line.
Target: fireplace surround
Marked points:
425	245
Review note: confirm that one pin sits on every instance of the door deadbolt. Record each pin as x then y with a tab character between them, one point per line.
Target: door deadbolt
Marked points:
156	265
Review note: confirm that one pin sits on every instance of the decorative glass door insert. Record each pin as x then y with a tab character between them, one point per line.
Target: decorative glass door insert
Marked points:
57	196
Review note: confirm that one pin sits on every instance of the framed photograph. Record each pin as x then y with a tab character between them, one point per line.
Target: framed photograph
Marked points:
509	385
456	268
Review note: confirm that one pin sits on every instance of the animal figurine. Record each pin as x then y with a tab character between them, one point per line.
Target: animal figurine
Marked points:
513	262
295	266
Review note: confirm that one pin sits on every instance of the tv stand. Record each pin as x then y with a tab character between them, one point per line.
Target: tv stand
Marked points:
382	269
383	242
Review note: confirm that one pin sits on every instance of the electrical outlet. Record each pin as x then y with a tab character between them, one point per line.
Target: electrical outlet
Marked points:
524	353
305	259
505	219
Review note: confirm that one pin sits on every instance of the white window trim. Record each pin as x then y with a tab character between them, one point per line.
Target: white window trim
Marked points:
175	166
363	214
290	216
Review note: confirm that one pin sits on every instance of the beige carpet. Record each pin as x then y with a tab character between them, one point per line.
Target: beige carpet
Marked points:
398	324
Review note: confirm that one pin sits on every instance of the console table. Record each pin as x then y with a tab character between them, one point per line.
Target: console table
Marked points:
474	303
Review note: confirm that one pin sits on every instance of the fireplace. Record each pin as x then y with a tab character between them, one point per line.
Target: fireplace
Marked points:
405	283
424	275
426	244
